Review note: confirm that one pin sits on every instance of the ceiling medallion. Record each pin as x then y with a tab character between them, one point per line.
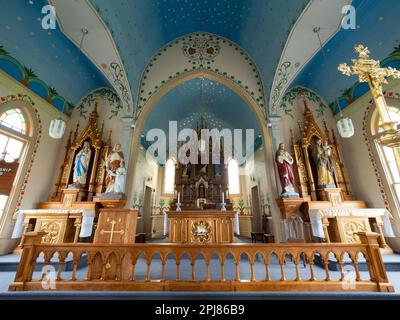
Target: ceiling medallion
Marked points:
200	49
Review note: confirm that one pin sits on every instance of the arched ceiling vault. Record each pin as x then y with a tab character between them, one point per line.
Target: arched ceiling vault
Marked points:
141	28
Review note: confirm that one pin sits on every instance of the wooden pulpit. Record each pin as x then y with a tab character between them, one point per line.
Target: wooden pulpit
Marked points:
116	226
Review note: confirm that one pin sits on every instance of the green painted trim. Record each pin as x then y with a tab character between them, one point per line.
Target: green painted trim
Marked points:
15	87
366	98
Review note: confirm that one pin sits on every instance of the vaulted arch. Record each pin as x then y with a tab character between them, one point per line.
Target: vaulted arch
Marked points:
195	53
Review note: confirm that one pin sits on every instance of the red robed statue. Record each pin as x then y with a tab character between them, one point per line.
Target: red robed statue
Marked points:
284	162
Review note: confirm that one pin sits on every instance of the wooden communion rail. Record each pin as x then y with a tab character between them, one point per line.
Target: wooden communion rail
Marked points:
112	267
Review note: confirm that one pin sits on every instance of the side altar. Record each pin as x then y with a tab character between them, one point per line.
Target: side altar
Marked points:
201	226
323	209
89	194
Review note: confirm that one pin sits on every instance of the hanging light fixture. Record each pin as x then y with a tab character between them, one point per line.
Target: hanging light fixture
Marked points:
58	125
344	124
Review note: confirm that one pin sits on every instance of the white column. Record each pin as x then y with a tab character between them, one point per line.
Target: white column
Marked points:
275	130
126	137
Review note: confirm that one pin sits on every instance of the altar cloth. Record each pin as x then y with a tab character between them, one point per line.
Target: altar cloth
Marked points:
86	227
316	216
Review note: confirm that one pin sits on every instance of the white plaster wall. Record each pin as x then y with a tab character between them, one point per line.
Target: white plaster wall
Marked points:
39	185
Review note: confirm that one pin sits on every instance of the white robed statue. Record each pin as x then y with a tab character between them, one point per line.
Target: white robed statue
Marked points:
116	172
81	168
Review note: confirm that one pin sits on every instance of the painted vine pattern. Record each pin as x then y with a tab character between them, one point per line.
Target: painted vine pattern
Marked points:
283	73
112	98
27	99
143	97
288	99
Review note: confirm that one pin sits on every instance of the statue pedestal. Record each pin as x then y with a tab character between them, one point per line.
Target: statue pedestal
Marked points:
70	196
111	200
333	195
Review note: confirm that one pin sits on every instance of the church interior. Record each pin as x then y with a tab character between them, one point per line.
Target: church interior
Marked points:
225	146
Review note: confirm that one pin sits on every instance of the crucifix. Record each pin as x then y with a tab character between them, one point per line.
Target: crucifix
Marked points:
112	231
369	70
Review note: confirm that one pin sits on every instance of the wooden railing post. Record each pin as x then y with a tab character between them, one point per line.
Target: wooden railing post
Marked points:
24	272
375	261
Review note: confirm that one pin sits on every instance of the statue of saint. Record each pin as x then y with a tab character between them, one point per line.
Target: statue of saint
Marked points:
81	167
324	165
284	162
115	168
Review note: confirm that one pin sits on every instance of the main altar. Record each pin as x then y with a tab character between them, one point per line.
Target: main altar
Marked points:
201	226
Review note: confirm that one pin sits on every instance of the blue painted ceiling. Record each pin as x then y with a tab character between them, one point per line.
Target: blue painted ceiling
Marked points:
187	102
140	28
378	27
49	53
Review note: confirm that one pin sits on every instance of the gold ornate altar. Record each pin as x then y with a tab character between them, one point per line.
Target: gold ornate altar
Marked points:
304	166
201	226
201	185
96	172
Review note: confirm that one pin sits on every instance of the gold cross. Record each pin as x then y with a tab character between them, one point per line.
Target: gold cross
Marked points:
112	231
369	70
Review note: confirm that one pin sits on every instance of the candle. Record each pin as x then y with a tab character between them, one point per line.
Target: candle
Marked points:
179	197
223	200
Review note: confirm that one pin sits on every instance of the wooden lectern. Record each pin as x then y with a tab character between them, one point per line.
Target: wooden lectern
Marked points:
116	226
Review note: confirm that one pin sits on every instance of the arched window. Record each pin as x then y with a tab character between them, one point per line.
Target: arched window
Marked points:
14	120
387	156
13	142
233	177
169	177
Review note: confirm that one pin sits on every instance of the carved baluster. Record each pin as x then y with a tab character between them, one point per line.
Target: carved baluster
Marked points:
267	275
163	263
47	258
75	266
89	270
178	266
148	264
251	260
237	261
192	268
341	268
207	260
326	266
312	275
281	264
296	264
134	268
60	265
355	261
118	274
103	269
222	264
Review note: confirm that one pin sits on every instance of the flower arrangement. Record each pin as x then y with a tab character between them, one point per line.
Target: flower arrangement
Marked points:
137	201
241	206
162	206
